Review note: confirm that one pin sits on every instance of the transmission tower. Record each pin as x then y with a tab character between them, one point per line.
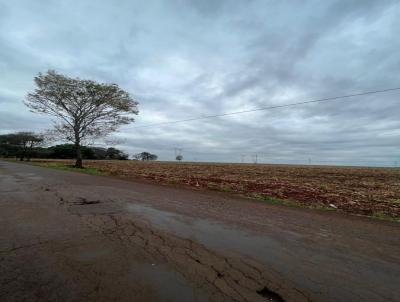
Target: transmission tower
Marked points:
178	152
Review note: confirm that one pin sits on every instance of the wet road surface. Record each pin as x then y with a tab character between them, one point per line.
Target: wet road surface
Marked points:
74	237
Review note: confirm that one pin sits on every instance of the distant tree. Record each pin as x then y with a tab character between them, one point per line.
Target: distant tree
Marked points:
21	143
40	152
7	150
145	156
64	151
152	157
137	156
113	153
67	151
98	153
179	157
9	147
85	109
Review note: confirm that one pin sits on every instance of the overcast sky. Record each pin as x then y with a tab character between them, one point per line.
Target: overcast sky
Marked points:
182	59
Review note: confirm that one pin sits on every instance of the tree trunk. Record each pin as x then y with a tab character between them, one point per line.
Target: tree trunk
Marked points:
29	152
78	151
23	153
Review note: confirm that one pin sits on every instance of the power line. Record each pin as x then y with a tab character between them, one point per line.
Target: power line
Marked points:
267	108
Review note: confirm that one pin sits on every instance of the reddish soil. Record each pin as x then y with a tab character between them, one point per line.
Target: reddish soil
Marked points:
356	190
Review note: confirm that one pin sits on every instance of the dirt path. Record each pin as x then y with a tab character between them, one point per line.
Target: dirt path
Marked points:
74	237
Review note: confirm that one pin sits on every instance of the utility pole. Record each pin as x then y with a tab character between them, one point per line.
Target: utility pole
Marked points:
255	158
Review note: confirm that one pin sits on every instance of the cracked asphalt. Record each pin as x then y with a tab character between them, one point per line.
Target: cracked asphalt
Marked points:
74	237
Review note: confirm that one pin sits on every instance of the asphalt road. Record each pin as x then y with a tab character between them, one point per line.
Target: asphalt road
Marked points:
73	237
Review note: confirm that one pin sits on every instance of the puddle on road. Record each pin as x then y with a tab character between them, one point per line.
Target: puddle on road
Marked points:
167	285
83	201
212	234
163	284
11	183
28	176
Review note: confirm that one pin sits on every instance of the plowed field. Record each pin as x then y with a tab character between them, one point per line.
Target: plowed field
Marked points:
357	190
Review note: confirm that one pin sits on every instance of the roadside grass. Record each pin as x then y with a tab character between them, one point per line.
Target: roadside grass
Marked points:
290	203
383	216
64	167
172	180
287	202
220	187
70	168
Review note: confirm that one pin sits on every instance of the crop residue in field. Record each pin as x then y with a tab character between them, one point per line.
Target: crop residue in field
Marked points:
357	190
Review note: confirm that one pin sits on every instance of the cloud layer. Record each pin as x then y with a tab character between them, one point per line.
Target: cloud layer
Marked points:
184	58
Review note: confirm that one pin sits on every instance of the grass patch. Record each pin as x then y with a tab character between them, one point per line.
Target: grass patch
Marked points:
212	186
70	168
274	200
383	216
394	201
172	180
220	187
226	188
290	203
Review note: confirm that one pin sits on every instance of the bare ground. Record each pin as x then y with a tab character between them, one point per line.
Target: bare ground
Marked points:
75	237
355	190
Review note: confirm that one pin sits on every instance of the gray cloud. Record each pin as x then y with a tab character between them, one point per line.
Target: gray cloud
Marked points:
186	58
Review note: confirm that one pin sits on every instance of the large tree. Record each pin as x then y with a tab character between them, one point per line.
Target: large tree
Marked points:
84	109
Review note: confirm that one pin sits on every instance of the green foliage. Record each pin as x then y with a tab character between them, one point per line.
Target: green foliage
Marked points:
84	109
67	151
62	151
274	200
60	166
25	146
113	153
385	216
19	144
145	156
226	188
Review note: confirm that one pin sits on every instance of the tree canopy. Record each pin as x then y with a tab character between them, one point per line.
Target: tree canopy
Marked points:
85	110
145	156
20	144
12	146
67	151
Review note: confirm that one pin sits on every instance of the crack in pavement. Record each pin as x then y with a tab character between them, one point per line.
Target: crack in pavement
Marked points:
25	246
233	278
227	278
